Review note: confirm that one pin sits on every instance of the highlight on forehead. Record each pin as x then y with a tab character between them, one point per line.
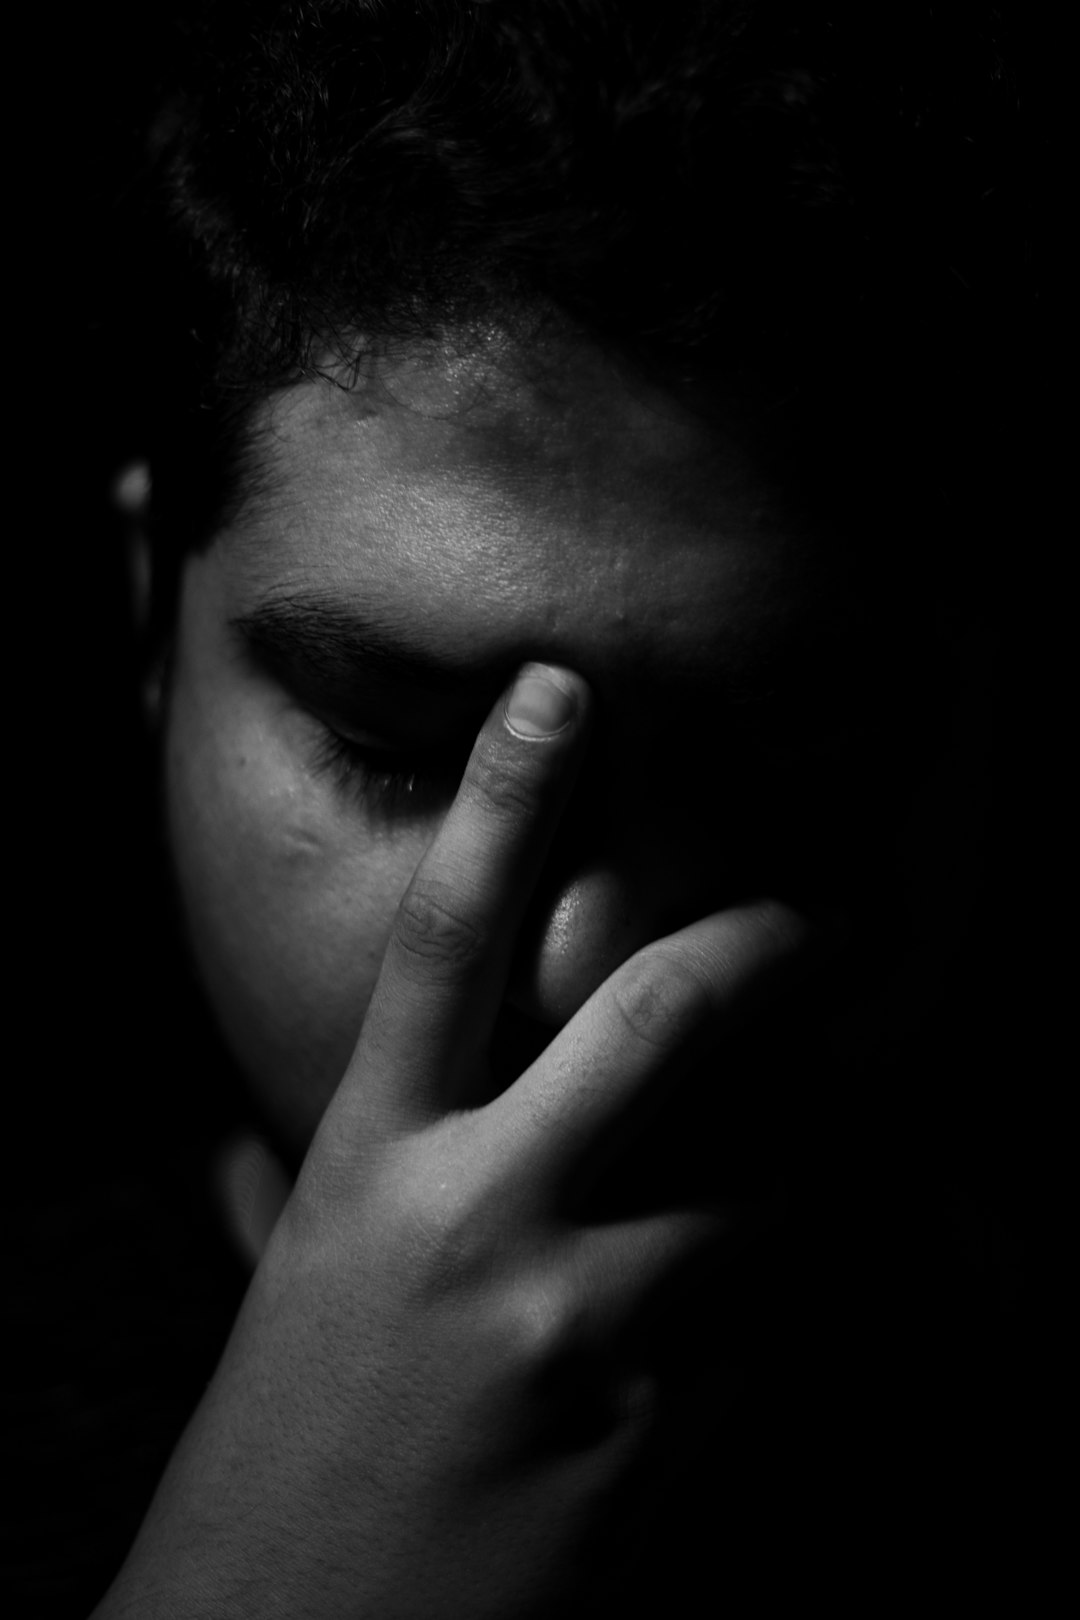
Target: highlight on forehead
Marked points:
568	422
520	361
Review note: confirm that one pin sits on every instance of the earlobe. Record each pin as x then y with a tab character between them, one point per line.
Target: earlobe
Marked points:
131	491
131	501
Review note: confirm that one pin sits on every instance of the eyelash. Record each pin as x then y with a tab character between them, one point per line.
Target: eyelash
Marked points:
383	782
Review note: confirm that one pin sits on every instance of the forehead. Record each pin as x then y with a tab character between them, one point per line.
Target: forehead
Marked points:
577	515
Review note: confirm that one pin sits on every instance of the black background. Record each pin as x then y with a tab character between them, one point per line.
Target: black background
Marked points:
117	1286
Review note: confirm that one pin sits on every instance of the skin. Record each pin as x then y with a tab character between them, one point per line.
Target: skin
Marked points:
589	523
465	1009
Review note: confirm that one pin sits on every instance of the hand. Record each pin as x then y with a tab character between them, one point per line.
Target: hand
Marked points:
443	1374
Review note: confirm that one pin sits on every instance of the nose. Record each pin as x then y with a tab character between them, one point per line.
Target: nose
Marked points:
573	939
600	903
641	852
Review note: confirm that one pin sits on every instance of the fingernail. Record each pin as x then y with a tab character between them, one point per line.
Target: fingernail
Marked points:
537	705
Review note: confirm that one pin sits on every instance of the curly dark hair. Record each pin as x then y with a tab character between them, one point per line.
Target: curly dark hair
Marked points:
808	201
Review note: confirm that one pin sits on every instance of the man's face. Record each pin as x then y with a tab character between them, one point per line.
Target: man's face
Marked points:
338	647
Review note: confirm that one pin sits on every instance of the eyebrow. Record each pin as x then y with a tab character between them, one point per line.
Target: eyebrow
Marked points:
331	645
331	650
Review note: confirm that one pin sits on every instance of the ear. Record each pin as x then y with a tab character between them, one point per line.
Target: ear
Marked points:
131	490
131	502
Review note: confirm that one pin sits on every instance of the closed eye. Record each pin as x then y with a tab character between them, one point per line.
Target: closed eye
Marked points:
386	782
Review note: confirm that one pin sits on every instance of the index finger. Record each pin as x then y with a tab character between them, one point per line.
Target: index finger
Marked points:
449	952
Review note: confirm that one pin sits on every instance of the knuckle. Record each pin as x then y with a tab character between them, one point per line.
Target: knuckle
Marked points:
566	1372
446	1237
660	999
437	1244
503	782
541	1329
431	934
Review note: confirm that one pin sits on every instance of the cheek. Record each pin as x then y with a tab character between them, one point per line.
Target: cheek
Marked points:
288	898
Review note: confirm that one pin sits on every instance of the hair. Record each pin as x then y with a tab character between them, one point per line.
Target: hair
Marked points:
809	202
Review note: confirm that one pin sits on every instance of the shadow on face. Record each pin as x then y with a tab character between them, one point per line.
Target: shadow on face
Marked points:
764	709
